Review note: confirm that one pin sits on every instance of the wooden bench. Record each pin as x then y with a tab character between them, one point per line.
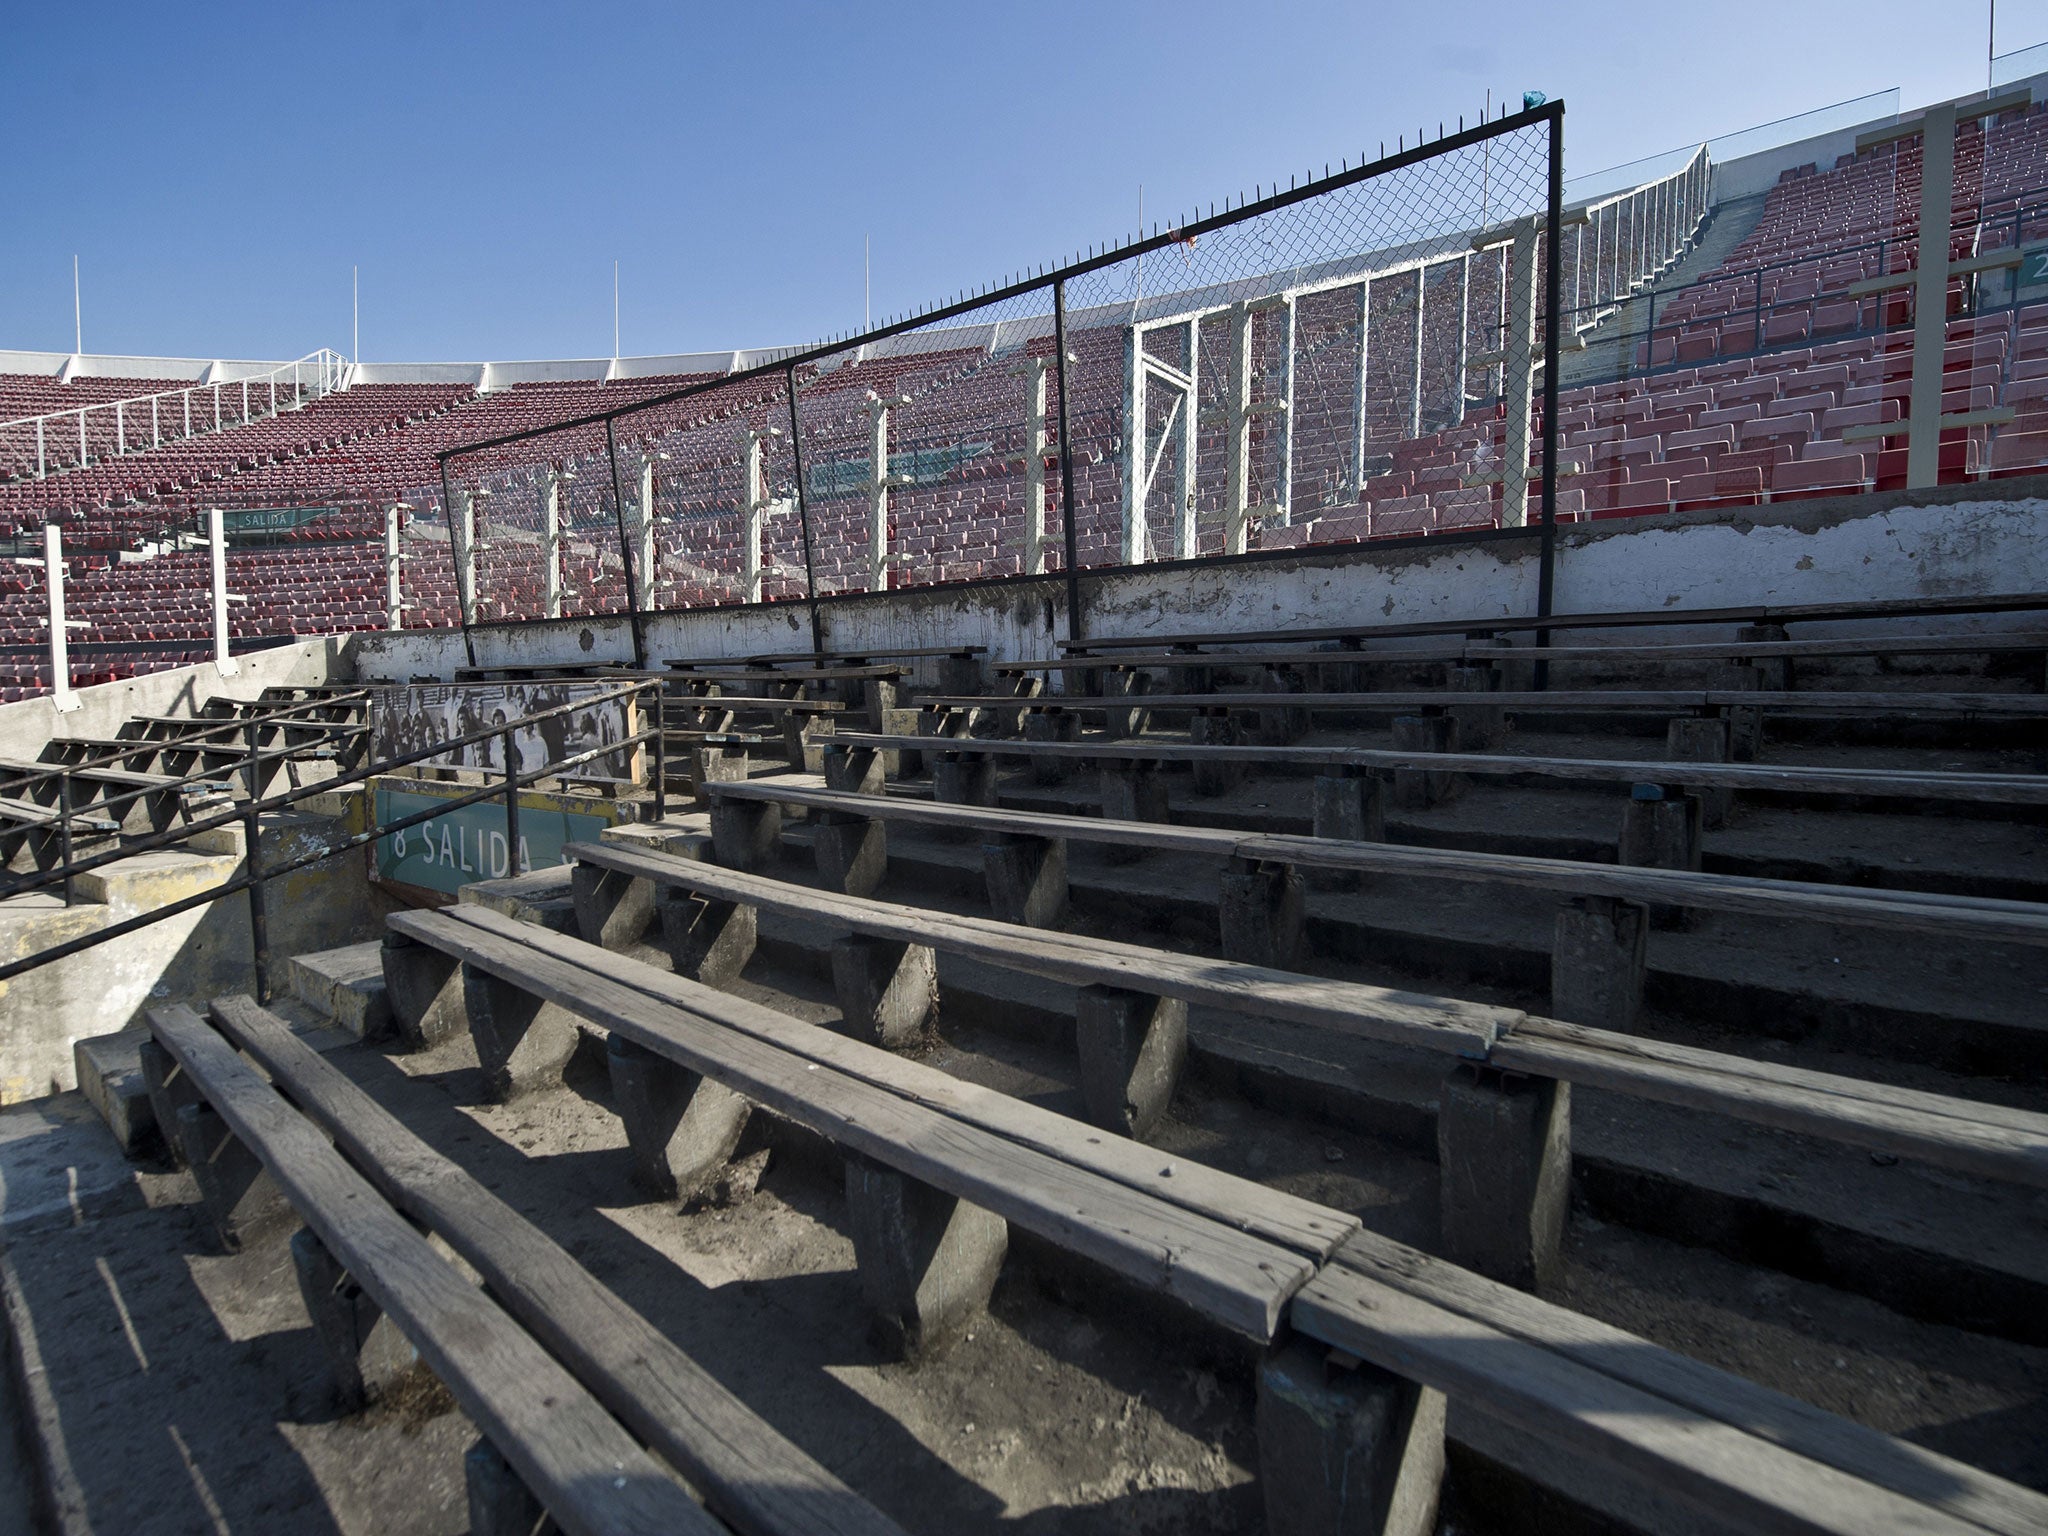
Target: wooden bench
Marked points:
923	1143
751	1477
1380	1333
252	1153
1599	958
1130	1057
959	665
137	802
1753	614
803	720
1217	767
1729	650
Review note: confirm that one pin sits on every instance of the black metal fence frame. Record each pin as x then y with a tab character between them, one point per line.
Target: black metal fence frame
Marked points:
787	362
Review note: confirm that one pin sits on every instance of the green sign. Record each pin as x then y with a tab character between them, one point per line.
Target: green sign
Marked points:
272	519
468	843
2034	267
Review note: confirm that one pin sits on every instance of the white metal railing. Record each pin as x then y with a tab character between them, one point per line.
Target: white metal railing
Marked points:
1618	245
88	434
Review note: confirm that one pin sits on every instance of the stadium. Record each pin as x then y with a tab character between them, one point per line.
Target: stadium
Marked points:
730	941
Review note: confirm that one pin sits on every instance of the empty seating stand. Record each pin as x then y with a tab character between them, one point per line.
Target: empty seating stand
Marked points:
1357	1330
567	1383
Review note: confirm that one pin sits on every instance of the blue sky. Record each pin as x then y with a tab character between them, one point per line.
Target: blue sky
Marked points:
217	168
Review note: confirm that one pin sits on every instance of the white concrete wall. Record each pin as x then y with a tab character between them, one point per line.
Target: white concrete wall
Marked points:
1947	543
27	723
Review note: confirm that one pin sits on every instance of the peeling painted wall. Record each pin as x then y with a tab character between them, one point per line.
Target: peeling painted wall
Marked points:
1948	542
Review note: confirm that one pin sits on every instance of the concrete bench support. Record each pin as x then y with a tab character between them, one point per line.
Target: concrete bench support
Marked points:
241	1199
928	1260
1027	878
803	740
854	770
424	988
1214	778
1660	829
522	1042
613	910
1505	1161
1281	727
500	1503
960	676
1043	725
1259	911
1480	726
1133	1046
899	764
1598	960
878	696
1131	791
744	832
708	941
852	852
1131	720
1351	805
1345	1448
364	1350
1417	788
1773	672
1701	739
964	778
681	1126
170	1091
888	991
719	765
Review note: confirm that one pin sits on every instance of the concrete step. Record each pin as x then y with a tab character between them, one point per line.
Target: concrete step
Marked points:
345	985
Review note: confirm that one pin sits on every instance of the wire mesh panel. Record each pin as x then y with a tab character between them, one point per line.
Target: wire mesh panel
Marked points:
930	456
540	520
1351	359
1305	374
718	469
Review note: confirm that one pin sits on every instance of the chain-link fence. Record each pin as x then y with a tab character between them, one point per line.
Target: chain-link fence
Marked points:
1357	356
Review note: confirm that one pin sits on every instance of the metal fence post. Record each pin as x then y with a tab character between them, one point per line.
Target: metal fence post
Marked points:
252	838
803	512
511	803
1071	541
455	564
64	829
611	444
1546	578
660	751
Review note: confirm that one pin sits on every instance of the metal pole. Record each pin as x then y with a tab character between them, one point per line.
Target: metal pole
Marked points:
1546	579
64	829
803	512
1059	335
455	564
511	805
611	444
660	752
252	838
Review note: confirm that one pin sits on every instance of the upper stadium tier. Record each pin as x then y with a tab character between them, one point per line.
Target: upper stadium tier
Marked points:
1732	333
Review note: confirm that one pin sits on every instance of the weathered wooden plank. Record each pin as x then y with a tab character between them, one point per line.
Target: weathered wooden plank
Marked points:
1717	1467
1950	1137
1876	645
1784	613
1988	788
750	1476
1924	912
1972	917
1874	701
592	1476
1960	1491
1407	1018
1236	1280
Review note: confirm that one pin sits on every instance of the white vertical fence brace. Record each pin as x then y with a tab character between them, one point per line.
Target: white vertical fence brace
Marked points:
644	551
551	542
755	510
1034	372
463	530
217	541
60	638
394	587
879	483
